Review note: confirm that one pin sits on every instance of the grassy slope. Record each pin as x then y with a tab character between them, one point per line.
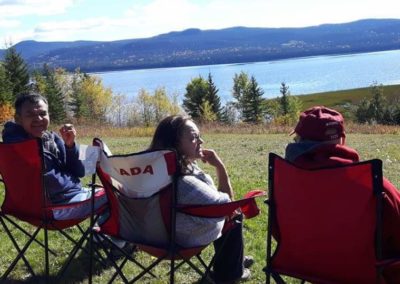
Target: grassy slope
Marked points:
340	99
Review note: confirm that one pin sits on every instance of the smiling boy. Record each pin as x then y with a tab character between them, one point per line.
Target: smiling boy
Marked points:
63	169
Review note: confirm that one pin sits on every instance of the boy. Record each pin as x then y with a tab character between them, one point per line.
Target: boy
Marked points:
61	155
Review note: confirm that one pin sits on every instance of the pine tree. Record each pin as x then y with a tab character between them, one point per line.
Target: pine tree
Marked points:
54	95
240	87
78	103
16	71
212	97
377	104
6	96
253	103
196	93
284	100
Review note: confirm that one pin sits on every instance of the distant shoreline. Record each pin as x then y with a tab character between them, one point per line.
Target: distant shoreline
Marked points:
239	63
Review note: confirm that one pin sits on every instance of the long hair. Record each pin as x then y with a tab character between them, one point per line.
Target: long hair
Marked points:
168	135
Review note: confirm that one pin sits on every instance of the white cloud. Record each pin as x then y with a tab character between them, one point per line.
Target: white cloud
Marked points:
153	17
6	24
10	9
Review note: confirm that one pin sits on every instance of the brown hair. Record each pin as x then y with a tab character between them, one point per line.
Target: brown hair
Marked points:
168	134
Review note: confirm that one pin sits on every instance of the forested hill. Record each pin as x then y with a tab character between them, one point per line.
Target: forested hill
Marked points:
231	45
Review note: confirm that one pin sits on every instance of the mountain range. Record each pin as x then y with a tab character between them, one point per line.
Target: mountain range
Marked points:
202	47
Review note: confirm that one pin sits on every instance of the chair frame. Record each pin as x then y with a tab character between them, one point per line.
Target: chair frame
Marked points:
45	223
377	187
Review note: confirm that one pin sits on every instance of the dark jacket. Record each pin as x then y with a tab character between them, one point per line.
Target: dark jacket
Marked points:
62	165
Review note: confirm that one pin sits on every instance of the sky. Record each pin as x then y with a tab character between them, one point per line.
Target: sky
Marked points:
108	20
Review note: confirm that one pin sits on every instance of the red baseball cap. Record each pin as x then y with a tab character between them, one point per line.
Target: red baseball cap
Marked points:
320	123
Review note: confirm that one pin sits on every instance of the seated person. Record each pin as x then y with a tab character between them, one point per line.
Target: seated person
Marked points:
320	142
196	187
61	155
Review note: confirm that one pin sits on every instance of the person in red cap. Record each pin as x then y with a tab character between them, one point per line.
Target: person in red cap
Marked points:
320	142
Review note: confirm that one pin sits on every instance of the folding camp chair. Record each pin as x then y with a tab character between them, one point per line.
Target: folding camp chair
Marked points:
147	180
326	222
22	170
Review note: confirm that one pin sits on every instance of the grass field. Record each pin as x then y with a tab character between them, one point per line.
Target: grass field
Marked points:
245	156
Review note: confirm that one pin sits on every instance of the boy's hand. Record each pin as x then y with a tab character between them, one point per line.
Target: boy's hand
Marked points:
68	134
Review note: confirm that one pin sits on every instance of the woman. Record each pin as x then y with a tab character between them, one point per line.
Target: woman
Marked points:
196	187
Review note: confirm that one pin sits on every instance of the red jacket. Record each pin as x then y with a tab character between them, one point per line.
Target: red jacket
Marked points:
316	155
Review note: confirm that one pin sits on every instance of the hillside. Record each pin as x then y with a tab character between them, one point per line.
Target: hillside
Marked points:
201	47
345	100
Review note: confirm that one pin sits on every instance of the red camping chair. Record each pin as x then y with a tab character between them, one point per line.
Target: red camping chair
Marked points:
326	222
147	179
22	169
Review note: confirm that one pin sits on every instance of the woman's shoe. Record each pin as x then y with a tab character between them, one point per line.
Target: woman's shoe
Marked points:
248	261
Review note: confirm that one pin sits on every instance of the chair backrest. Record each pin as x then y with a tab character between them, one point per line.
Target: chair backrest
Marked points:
325	221
21	168
140	190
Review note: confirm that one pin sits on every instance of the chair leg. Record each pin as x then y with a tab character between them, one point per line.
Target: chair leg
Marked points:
46	253
25	232
21	255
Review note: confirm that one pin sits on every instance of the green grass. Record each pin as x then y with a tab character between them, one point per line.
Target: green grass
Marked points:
341	100
245	156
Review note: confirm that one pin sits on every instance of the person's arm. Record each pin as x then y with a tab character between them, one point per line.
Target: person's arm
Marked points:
224	183
73	165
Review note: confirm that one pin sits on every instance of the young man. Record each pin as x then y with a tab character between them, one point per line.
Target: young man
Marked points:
63	169
320	142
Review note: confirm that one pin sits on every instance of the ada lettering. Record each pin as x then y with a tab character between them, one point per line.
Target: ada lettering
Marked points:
137	171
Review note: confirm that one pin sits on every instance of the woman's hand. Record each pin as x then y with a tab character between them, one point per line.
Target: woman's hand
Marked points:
210	156
224	184
68	134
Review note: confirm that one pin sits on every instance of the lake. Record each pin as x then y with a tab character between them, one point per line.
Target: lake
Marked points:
303	75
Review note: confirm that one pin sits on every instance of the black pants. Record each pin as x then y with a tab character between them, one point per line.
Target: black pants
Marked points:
228	263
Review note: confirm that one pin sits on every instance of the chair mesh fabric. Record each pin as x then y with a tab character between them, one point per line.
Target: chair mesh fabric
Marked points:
326	221
21	170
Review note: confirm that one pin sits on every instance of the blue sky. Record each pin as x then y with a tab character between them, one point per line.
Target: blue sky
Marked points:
69	20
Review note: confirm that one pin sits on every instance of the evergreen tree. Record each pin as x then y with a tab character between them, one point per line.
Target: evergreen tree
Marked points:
78	103
6	96
284	100
240	86
212	97
54	95
377	104
253	103
16	71
362	115
196	93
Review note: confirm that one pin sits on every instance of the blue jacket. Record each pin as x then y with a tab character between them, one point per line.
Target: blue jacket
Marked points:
62	165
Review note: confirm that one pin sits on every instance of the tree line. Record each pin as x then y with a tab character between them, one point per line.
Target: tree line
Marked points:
80	97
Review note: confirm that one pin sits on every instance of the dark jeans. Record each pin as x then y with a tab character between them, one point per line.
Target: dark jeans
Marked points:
228	264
